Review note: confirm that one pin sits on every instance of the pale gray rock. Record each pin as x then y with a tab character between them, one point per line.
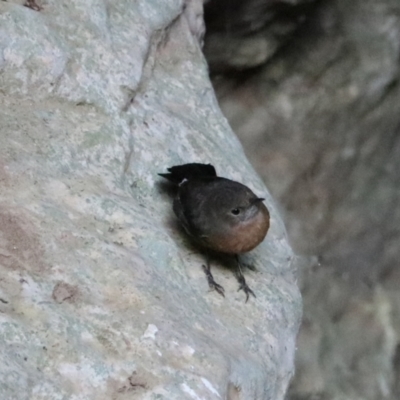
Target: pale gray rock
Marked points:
194	13
101	296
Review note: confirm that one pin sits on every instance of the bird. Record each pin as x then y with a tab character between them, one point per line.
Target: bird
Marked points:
218	214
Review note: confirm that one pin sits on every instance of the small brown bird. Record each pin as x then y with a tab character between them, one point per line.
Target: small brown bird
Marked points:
218	214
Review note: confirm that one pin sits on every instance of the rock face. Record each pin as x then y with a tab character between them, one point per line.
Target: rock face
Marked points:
101	296
246	34
321	123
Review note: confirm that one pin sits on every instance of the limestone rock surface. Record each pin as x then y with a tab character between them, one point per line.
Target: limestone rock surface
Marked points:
101	296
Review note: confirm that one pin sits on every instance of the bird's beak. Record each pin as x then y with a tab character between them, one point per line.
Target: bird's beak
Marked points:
257	200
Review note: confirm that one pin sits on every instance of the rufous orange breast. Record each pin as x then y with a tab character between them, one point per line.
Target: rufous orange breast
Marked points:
242	237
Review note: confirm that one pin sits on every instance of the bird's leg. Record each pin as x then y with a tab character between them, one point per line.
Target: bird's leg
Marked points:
240	278
211	282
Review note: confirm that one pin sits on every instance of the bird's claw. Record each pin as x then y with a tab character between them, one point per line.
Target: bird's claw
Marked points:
211	282
218	288
247	290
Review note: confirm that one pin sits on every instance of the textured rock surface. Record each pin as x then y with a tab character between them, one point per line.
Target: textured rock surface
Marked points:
101	296
321	123
246	34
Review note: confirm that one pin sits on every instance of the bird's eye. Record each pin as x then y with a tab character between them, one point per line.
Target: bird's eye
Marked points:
235	211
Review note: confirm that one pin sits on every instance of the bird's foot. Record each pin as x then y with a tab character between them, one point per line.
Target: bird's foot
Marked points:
242	282
247	290
243	286
211	282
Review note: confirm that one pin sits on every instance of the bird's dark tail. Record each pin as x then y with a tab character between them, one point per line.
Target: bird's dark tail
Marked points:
189	171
